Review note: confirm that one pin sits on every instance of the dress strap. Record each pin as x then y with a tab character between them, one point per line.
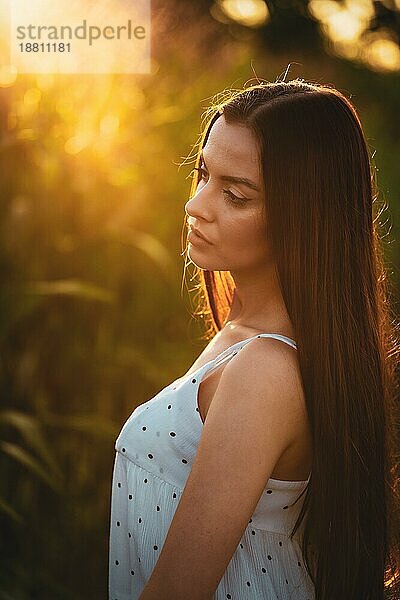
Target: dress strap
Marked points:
232	350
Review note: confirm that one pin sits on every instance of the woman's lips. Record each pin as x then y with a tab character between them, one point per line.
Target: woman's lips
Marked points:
196	237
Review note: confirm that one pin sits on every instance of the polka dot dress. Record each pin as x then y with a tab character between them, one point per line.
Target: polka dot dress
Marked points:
155	451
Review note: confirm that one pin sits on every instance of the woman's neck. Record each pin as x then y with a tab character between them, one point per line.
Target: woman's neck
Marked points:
258	304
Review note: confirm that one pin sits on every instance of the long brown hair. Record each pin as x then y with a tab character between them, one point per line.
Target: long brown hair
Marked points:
321	202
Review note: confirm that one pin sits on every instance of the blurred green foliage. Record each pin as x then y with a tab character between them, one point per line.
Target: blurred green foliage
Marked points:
92	319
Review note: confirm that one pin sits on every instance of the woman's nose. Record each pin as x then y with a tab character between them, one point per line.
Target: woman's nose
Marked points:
198	207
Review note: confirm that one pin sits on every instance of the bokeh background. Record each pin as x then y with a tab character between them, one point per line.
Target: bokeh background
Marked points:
95	314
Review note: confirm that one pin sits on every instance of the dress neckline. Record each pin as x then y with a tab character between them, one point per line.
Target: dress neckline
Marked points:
197	377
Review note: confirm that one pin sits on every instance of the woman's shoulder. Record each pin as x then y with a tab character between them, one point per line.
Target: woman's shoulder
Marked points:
269	364
263	380
229	336
266	356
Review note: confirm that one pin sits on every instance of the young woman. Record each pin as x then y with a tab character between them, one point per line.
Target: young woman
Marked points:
268	470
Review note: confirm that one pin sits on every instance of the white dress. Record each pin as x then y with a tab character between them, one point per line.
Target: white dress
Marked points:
155	451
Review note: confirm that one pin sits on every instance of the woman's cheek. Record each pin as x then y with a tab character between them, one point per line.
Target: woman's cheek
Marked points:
240	230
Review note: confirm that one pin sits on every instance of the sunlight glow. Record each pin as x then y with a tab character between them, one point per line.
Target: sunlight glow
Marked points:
251	13
109	125
45	81
382	54
77	143
32	96
346	26
343	22
8	76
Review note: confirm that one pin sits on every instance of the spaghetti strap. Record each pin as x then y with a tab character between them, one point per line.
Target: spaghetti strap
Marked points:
212	364
278	336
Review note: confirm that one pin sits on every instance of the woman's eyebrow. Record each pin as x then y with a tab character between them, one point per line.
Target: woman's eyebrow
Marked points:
233	179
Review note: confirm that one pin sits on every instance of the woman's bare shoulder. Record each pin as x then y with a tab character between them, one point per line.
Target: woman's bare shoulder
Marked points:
271	364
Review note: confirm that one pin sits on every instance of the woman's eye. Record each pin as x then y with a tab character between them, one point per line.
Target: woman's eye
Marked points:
233	199
230	197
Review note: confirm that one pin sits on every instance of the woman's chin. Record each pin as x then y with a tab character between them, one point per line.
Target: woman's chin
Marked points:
198	256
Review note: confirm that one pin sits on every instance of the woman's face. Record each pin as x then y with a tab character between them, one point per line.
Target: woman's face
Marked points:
228	212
